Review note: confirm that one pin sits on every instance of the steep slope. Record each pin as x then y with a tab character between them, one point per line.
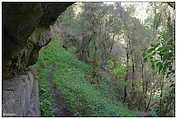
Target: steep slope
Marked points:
72	81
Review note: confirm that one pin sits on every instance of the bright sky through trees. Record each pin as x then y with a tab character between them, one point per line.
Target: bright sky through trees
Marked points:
140	9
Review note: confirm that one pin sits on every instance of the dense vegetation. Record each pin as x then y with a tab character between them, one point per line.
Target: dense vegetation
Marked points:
103	61
73	82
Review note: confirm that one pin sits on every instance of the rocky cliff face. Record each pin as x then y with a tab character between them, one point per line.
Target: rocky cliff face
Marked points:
25	31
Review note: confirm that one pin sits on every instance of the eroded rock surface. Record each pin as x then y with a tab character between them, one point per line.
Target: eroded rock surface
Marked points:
25	31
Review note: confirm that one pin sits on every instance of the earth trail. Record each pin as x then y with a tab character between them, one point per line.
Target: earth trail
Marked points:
58	101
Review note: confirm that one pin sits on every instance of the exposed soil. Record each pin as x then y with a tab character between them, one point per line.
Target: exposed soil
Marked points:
58	101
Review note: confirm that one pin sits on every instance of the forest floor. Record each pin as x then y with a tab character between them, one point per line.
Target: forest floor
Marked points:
66	87
58	101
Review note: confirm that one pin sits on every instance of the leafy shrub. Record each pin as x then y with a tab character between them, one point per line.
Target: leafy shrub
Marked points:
81	97
117	69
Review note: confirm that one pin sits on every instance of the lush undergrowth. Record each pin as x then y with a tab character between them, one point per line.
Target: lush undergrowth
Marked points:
71	78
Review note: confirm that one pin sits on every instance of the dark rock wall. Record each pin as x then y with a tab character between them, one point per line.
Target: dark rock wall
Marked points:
25	31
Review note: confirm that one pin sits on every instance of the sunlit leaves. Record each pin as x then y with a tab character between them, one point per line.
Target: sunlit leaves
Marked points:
116	69
161	55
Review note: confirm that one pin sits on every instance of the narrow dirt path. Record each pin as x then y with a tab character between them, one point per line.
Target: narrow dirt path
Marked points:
58	100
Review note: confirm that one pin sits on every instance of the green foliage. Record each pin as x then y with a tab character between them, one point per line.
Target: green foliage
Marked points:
122	84
46	105
81	97
46	100
93	28
117	69
161	55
